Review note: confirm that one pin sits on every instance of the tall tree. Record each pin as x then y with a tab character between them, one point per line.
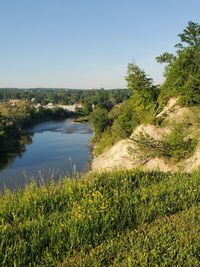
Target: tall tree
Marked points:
190	36
183	70
144	92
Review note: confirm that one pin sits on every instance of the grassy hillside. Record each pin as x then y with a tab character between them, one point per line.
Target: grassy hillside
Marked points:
169	241
122	218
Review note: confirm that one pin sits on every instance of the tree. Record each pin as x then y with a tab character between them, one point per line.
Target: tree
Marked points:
87	108
168	58
190	36
183	71
137	79
144	92
99	119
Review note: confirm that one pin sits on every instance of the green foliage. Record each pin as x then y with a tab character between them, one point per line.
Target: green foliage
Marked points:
87	108
138	82
137	79
174	146
122	120
183	77
72	219
166	58
102	98
99	119
126	120
190	35
58	113
179	146
183	70
144	93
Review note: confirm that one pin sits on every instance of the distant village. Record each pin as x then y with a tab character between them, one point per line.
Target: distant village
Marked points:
68	108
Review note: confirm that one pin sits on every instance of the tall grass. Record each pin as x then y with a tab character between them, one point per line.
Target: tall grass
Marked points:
51	224
168	241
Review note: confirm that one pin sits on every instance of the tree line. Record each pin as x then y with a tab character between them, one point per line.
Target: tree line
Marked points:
44	96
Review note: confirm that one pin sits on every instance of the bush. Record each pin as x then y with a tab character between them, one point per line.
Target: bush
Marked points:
99	119
175	146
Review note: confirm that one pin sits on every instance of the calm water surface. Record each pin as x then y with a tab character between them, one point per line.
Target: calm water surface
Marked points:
57	148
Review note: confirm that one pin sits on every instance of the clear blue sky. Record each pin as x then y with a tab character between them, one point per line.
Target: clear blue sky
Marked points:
87	43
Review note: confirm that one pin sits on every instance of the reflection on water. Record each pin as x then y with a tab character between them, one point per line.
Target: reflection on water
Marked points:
7	158
48	151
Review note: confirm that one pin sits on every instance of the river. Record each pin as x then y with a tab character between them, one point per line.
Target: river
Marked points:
52	149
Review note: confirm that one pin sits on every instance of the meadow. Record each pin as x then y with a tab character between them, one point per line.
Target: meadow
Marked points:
118	218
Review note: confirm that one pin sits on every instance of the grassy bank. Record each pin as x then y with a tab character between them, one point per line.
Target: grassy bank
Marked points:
122	218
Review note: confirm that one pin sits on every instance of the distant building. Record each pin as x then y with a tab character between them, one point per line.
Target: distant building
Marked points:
70	108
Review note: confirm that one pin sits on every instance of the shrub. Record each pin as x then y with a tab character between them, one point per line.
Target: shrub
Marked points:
174	146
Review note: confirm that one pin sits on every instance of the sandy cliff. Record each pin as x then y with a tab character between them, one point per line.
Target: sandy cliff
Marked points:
127	154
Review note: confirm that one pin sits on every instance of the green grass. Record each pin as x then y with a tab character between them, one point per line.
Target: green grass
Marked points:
83	222
168	241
